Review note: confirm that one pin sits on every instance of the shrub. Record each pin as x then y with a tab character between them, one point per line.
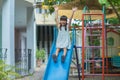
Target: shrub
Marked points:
40	54
7	72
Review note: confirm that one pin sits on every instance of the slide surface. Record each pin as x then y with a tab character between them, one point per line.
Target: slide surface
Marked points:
59	70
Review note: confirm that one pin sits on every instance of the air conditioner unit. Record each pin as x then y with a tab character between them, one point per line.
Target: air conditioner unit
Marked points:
39	0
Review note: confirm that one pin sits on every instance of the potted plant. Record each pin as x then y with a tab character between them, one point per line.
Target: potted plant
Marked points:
40	56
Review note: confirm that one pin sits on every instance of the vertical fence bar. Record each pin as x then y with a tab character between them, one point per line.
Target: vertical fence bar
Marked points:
29	59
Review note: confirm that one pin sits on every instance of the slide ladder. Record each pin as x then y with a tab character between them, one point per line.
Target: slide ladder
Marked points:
93	46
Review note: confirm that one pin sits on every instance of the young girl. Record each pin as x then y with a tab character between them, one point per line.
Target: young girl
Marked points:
63	39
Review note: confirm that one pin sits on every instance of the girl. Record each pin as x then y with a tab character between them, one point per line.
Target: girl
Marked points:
63	39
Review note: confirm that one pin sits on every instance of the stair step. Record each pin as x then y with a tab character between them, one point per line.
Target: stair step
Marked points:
93	27
100	66
93	34
93	60
93	46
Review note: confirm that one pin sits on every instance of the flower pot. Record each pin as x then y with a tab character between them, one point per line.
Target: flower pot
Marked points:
39	62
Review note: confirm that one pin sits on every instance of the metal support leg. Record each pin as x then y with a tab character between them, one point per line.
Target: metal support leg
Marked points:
78	66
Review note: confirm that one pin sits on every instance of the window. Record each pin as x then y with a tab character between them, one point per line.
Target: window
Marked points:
45	10
38	10
110	41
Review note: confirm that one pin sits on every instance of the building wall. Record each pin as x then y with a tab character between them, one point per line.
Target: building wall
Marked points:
8	29
18	32
0	30
0	23
32	1
30	33
42	18
20	13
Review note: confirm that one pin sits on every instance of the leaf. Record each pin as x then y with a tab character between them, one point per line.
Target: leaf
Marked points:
104	2
6	71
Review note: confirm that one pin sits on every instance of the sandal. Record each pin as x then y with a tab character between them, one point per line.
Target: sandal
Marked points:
54	58
63	58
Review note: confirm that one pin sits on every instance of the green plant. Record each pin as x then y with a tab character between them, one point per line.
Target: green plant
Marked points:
104	2
96	41
113	21
75	24
7	72
50	3
40	54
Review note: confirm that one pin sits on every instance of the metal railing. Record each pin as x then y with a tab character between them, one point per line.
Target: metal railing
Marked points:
23	61
3	54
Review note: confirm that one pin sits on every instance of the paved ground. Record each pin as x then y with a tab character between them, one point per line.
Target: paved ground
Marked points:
39	74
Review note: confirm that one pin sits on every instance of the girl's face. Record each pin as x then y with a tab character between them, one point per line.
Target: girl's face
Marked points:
63	22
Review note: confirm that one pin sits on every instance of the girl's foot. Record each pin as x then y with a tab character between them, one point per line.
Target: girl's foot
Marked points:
54	58
63	58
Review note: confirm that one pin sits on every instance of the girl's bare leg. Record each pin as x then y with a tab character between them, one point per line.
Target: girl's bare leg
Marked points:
64	55
56	54
57	51
65	51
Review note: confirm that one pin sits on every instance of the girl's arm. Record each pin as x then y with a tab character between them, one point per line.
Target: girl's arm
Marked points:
73	10
56	15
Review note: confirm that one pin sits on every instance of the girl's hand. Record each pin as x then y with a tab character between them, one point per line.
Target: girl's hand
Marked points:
74	9
56	8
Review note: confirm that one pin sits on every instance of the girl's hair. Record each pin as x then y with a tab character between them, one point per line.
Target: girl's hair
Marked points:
64	18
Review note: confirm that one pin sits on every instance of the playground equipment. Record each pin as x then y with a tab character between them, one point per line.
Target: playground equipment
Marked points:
59	70
116	61
94	51
95	60
93	32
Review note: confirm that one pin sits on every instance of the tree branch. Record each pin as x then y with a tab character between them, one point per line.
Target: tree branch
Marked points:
115	10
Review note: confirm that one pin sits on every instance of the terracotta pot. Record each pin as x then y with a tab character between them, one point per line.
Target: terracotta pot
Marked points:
39	62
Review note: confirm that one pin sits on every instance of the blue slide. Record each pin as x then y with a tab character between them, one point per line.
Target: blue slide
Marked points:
59	70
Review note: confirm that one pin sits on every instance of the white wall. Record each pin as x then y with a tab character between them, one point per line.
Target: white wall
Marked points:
24	19
44	19
20	13
32	1
8	29
0	23
0	6
31	31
